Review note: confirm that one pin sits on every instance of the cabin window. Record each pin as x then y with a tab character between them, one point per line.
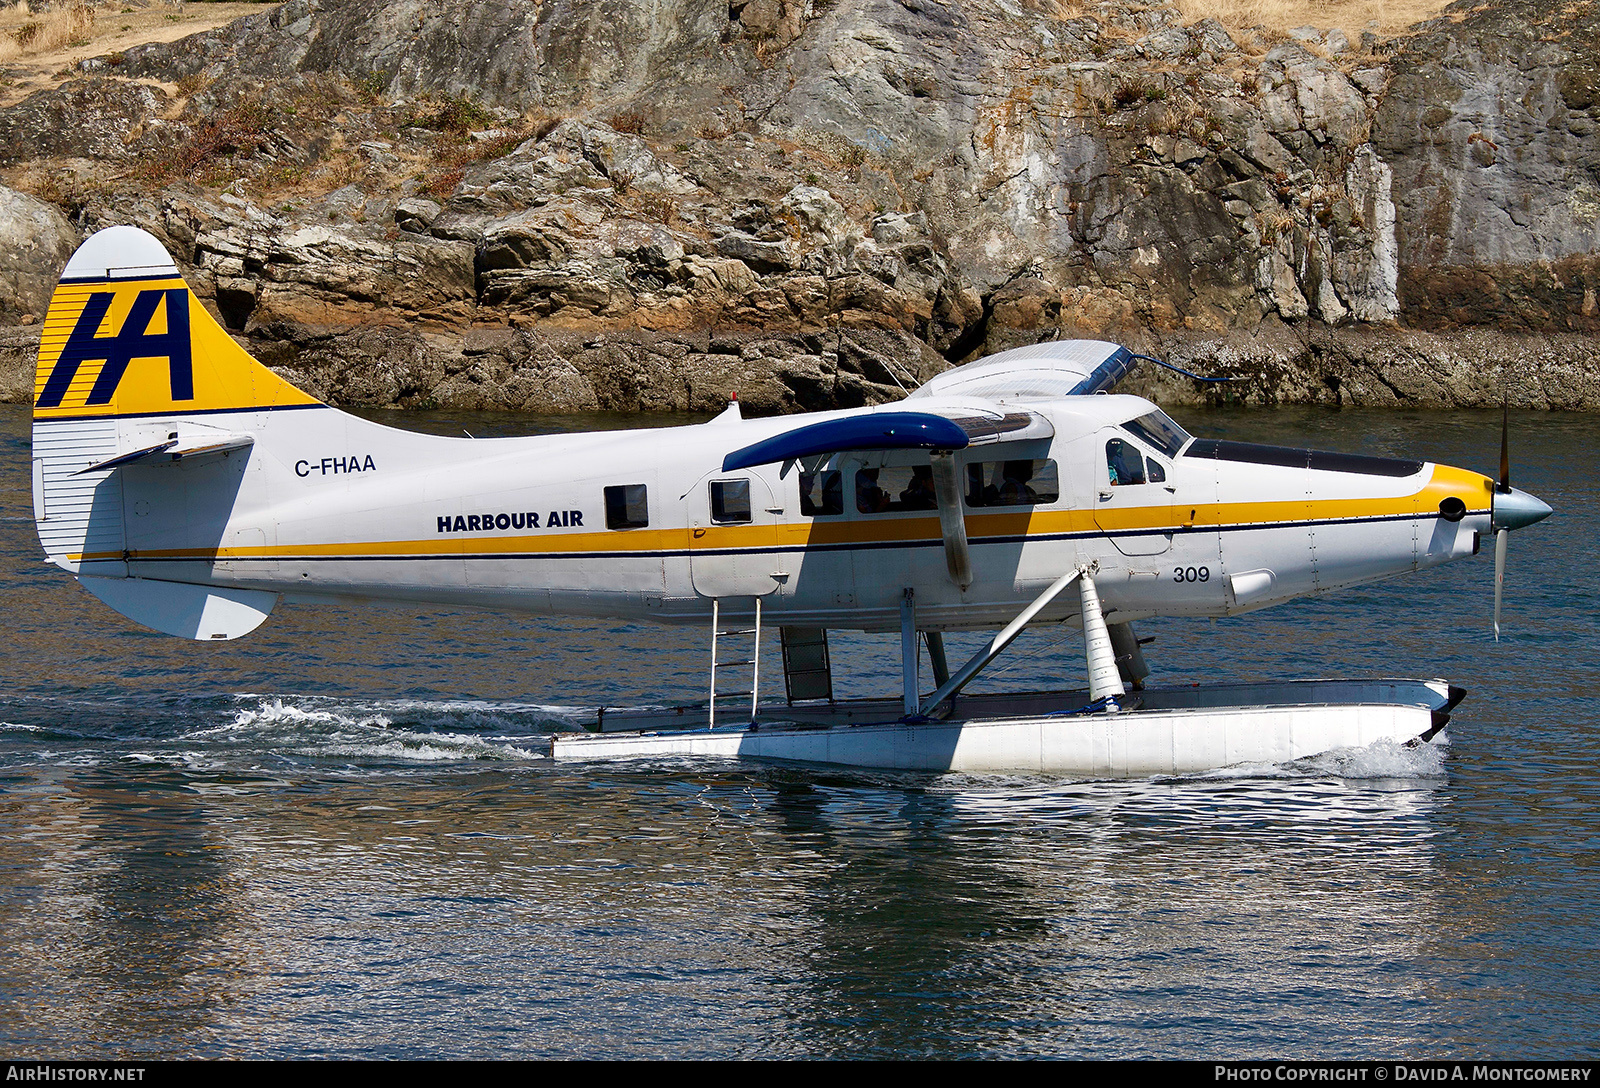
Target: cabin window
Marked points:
895	488
1012	483
821	494
730	501
1124	463
626	507
1157	474
1158	429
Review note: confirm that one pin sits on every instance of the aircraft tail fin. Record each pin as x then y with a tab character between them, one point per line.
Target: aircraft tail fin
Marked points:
125	337
132	371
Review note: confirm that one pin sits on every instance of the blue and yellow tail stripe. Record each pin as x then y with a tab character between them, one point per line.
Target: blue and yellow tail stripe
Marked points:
145	347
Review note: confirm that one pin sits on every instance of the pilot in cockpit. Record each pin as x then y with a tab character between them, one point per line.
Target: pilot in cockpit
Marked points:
1123	463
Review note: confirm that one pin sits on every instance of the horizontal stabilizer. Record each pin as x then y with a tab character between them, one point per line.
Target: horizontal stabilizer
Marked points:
176	449
203	613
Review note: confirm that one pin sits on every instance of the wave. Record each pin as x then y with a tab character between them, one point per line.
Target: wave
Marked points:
1380	759
407	730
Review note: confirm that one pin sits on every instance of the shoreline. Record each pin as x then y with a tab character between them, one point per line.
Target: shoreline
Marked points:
568	371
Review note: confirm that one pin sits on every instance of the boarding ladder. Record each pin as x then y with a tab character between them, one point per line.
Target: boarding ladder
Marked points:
753	662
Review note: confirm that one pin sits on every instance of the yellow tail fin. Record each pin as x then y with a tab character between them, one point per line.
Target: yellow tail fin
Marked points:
126	337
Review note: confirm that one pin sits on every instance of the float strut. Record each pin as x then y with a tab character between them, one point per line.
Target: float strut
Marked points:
1130	659
936	658
995	645
910	658
1105	682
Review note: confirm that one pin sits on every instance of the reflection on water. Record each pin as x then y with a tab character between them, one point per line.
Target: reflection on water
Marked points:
687	911
337	837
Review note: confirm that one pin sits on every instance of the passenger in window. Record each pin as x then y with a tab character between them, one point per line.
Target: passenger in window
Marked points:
870	498
978	492
1124	463
1014	489
827	487
833	493
920	495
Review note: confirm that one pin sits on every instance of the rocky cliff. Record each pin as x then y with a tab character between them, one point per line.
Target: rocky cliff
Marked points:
550	205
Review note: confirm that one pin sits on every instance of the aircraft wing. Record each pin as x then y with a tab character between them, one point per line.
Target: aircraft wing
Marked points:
1059	368
939	427
984	427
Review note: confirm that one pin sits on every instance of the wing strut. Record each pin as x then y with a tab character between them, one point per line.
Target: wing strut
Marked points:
952	521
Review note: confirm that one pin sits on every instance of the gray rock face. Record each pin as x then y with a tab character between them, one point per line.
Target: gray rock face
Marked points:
35	242
1384	367
19	352
1490	128
95	118
522	54
265	271
618	204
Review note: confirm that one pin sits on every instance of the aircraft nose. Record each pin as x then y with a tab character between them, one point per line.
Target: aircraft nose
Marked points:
1515	508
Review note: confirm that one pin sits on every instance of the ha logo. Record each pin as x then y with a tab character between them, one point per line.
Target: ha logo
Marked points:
132	341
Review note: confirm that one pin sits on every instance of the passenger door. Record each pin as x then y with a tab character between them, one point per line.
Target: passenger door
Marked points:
733	537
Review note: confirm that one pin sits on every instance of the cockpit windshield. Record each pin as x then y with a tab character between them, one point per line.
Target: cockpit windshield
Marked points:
1158	429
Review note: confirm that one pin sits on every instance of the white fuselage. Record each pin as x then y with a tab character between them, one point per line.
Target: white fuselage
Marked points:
326	504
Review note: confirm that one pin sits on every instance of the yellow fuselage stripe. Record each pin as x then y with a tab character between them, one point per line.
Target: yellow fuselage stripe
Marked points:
798	536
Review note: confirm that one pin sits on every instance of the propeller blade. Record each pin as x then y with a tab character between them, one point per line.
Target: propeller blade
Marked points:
1505	446
1499	575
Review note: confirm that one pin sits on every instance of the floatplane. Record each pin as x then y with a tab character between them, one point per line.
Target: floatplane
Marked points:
190	489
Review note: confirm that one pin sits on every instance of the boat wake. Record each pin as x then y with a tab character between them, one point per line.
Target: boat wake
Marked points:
1382	759
1378	760
388	730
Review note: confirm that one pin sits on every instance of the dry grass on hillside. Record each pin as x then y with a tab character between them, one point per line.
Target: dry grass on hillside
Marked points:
1392	17
24	32
39	46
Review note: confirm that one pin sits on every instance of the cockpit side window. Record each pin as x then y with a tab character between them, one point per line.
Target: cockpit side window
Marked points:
821	494
730	501
1124	463
1158	429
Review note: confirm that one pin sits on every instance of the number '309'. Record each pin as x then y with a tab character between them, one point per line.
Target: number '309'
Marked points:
1191	574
